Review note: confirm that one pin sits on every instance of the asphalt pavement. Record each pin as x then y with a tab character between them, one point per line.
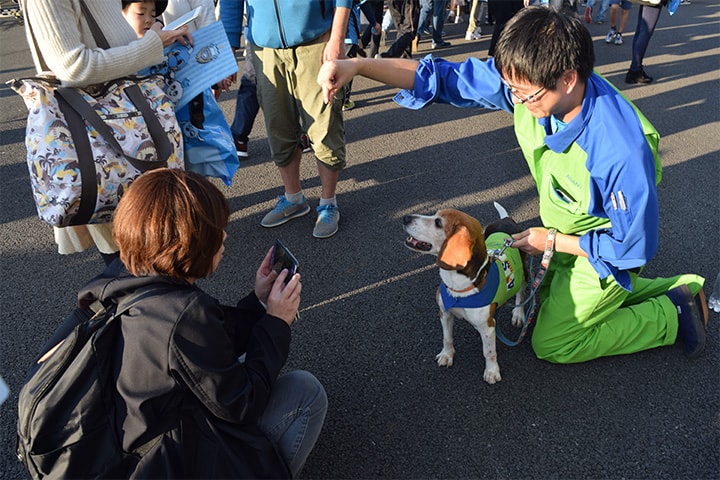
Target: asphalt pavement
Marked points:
369	328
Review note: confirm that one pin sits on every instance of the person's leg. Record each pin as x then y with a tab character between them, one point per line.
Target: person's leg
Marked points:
624	13
582	318
614	6
246	105
502	12
602	14
402	15
589	4
472	21
376	38
438	22
294	416
351	51
647	20
325	128
246	109
281	114
426	9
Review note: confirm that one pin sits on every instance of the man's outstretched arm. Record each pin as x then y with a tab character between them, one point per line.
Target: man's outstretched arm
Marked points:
396	72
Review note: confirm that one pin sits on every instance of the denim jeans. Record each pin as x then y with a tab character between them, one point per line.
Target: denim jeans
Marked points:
437	8
246	109
647	20
294	416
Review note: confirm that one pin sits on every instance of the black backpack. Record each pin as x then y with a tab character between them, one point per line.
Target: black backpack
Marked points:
65	409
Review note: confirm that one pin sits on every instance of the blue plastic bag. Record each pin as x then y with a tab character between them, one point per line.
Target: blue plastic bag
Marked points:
209	145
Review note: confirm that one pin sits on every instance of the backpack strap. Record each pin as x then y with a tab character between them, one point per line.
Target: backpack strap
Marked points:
122	307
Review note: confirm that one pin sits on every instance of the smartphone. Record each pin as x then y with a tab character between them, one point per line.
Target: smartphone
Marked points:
184	20
283	258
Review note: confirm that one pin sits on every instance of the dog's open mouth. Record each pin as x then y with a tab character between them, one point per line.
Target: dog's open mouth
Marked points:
416	244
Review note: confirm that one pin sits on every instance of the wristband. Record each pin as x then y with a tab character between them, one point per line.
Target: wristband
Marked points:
549	247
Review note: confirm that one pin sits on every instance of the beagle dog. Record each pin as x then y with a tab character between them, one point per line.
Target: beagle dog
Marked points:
478	273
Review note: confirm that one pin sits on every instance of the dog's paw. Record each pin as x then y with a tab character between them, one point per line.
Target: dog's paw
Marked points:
445	358
518	317
492	375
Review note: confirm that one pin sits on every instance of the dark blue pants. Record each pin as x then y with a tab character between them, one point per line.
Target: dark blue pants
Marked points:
246	109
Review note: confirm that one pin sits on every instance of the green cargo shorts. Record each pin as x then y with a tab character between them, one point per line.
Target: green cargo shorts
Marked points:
292	103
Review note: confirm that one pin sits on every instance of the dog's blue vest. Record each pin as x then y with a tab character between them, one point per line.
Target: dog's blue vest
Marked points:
502	282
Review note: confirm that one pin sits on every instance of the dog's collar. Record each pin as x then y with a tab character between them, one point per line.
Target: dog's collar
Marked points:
482	268
479	299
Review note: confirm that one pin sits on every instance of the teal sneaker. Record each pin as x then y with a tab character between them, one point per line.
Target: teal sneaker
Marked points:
285	211
326	224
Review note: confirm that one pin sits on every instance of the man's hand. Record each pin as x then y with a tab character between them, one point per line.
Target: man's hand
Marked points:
333	76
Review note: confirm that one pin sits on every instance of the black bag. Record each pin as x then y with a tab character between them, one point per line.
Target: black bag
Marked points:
66	425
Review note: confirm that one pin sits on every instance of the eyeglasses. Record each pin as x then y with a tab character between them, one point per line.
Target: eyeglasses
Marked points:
522	100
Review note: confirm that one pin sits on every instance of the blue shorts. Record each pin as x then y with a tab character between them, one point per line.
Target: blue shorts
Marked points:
624	4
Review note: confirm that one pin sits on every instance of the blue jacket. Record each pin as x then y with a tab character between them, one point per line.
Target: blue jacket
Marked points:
596	177
279	23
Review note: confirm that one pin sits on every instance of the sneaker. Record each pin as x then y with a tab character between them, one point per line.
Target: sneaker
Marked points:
618	39
349	105
458	19
692	318
450	16
284	211
599	21
442	44
473	35
424	32
610	35
326	224
639	77
588	14
241	148
305	144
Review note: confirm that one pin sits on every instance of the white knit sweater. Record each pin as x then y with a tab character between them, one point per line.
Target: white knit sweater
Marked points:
67	47
61	42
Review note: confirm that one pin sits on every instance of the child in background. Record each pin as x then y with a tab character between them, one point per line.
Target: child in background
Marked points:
141	15
207	138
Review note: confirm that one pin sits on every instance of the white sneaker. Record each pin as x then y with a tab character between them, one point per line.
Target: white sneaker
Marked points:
458	19
475	35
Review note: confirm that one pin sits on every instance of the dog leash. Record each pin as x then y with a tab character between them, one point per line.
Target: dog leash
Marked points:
534	292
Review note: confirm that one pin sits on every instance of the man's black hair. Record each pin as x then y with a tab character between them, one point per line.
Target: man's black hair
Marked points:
539	44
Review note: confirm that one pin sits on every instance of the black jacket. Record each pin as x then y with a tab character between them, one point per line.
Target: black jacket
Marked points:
176	369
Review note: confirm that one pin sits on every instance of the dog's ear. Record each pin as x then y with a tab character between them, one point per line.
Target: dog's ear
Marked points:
457	250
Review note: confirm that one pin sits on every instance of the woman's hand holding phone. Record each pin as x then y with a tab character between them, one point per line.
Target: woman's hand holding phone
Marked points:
282	299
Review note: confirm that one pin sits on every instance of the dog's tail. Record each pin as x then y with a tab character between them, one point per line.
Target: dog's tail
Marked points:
501	210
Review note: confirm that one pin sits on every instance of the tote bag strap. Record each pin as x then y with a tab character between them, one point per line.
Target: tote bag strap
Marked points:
162	144
88	189
97	33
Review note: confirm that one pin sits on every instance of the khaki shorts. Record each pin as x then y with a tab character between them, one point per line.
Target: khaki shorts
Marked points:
292	103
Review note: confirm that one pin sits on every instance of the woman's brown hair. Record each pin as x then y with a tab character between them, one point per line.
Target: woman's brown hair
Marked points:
171	222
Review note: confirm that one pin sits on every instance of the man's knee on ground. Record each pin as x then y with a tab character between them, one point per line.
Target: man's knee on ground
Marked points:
552	352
